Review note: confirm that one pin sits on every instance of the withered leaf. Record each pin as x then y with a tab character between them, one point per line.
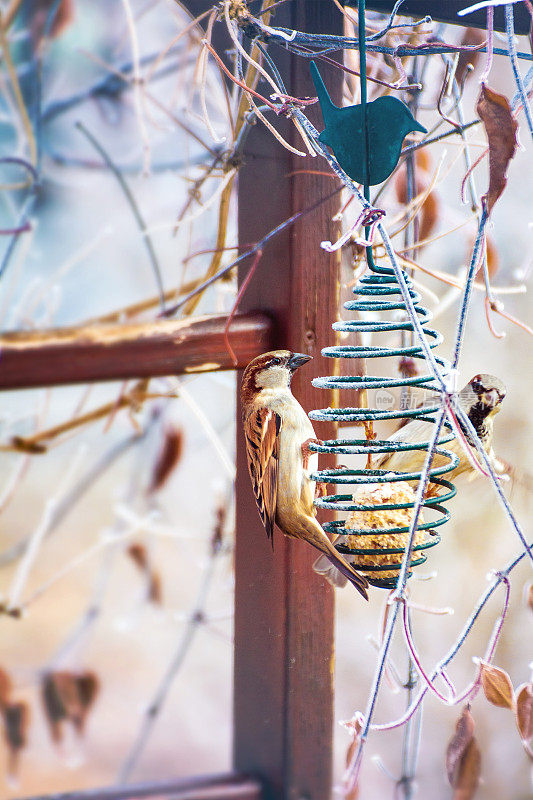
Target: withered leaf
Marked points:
16	719
354	726
5	687
54	707
524	711
155	591
458	745
353	793
467	778
68	696
493	260
429	216
497	686
218	532
168	458
16	722
529	595
408	367
429	212
470	36
88	685
139	554
495	112
63	15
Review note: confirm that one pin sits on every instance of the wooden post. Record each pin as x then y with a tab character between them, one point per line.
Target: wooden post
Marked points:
283	690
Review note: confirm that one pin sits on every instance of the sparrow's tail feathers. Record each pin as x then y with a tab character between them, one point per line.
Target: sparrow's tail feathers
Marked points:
327	107
346	570
324	567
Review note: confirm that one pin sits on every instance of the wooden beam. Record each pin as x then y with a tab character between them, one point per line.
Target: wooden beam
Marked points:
283	680
119	352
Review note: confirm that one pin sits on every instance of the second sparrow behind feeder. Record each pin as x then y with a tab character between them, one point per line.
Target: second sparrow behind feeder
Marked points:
480	400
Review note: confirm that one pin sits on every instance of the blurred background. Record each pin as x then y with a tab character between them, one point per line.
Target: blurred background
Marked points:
130	586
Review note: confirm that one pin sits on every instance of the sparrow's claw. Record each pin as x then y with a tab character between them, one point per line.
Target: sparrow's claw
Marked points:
433	490
320	489
307	452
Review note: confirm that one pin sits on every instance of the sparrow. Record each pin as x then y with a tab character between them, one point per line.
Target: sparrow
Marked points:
278	434
481	400
388	123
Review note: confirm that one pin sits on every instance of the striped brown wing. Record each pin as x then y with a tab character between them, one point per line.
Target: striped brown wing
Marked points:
261	430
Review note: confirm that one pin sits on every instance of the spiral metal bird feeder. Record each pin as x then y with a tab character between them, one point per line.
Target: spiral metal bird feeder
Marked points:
379	292
378	295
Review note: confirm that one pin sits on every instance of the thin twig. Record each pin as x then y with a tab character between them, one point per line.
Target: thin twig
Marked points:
509	27
134	207
32	145
67	503
37	537
137	85
151	714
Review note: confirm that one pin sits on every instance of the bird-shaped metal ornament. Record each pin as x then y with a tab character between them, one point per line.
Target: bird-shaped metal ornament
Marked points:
388	123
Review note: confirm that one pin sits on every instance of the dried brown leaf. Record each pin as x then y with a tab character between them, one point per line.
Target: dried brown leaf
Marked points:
400	186
155	590
422	164
68	696
88	685
497	686
430	210
16	722
5	688
54	708
467	778
429	216
218	532
168	458
353	793
16	719
139	555
458	744
354	726
529	595
493	259
466	57
40	19
524	711
408	367
501	127
423	159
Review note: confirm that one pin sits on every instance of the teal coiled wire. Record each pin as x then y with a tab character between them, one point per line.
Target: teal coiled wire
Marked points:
378	292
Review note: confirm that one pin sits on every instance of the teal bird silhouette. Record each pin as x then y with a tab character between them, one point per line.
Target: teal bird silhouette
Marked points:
388	123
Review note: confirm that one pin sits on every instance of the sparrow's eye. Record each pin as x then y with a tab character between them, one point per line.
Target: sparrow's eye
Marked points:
275	362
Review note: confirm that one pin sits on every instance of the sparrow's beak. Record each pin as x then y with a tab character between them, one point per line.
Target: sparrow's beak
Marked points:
297	360
491	399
